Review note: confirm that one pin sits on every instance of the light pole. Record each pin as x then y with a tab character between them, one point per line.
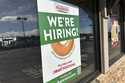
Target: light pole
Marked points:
22	19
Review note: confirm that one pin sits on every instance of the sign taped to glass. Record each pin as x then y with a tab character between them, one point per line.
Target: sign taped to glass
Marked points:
60	42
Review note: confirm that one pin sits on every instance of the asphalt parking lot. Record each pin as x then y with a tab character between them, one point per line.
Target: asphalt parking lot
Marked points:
20	66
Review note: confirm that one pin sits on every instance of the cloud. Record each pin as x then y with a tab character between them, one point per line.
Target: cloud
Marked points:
14	18
8	18
31	17
33	32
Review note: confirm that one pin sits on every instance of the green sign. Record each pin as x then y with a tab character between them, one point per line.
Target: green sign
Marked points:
60	42
71	75
58	27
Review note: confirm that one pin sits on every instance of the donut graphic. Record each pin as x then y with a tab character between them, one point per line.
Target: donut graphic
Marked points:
62	49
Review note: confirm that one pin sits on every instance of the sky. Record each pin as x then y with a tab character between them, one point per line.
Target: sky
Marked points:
11	9
17	7
85	22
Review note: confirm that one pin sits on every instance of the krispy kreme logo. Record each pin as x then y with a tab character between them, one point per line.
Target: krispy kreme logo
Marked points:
62	8
63	49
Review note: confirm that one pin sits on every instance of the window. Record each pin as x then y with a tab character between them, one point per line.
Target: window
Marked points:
88	37
20	54
114	35
87	42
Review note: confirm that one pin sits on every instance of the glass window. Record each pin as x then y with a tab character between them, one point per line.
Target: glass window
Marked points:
20	54
114	38
87	41
87	36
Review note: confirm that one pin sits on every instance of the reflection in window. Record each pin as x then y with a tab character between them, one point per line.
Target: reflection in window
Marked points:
88	25
18	33
87	42
20	60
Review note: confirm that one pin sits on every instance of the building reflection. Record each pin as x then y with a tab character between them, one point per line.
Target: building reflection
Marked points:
9	41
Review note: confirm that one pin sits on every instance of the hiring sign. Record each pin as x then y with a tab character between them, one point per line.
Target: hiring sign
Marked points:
60	42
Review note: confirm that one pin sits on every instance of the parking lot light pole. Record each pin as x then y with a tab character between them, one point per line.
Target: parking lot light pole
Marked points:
22	19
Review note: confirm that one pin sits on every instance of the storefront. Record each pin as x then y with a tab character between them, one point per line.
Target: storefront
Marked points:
59	41
89	66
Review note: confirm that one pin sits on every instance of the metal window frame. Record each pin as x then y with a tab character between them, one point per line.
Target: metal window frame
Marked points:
103	18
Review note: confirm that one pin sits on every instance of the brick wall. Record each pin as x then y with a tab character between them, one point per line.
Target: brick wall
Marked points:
116	73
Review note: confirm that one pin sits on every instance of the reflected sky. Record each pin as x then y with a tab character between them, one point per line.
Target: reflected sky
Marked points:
17	7
85	22
109	24
11	9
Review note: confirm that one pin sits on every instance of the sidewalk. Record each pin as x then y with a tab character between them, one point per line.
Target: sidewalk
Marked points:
116	73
